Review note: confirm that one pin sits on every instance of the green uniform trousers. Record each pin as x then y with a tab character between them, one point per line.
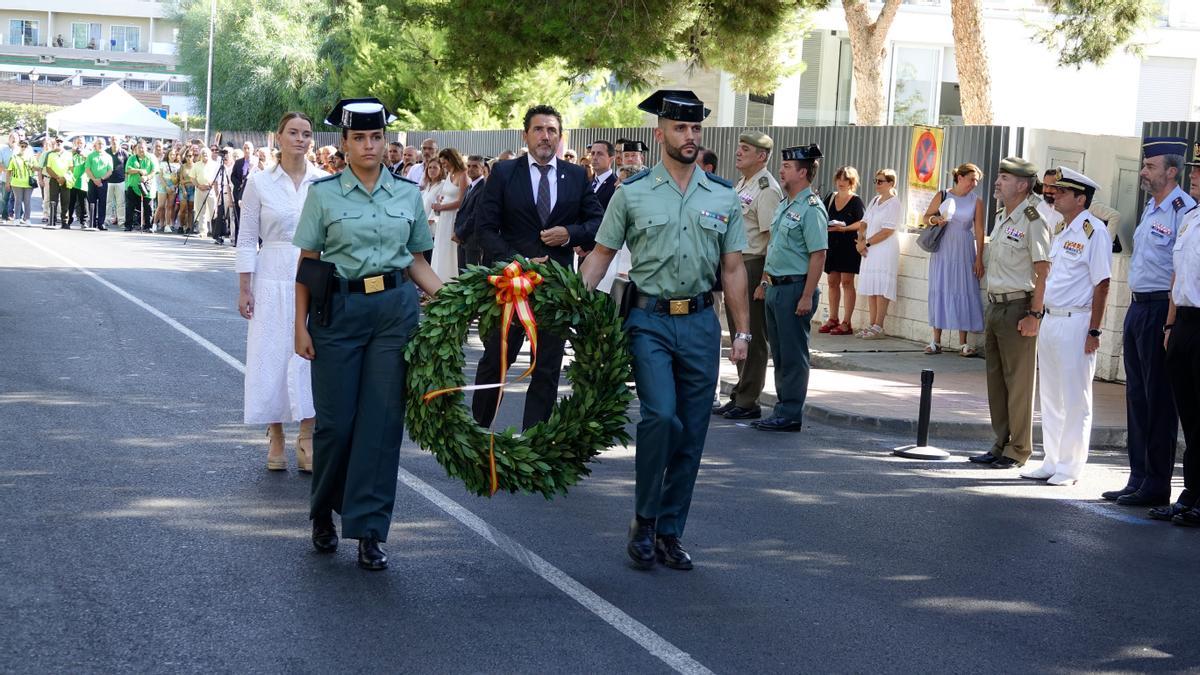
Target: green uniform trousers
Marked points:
1011	371
358	393
789	335
752	373
675	361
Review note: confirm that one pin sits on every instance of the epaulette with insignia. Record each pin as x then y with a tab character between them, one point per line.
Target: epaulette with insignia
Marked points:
1087	228
636	177
1178	203
325	179
1032	214
813	200
1058	230
763	183
717	179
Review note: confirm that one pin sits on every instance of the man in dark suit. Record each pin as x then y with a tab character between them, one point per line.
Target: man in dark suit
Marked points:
538	207
605	182
469	252
238	177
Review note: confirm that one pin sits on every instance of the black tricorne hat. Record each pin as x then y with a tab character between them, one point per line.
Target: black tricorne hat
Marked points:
680	105
801	152
626	145
359	114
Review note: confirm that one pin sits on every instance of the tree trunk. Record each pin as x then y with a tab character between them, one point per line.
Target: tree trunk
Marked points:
868	45
970	55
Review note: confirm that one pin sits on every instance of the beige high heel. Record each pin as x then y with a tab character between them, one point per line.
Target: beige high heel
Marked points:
276	457
304	451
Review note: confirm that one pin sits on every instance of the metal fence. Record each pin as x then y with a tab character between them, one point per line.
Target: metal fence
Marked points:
259	138
1188	130
866	148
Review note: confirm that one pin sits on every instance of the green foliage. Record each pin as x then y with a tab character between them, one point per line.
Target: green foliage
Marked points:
551	456
33	116
611	107
193	121
264	59
1089	31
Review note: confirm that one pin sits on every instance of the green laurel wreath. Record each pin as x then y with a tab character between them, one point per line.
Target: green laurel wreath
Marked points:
548	457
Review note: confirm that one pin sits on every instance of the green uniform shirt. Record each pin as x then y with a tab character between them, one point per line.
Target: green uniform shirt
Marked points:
134	180
363	233
60	161
801	227
675	238
78	161
100	164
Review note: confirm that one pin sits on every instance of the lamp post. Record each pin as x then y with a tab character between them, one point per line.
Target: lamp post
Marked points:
33	78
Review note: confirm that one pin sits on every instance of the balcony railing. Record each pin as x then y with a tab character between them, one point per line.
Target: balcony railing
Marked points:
88	54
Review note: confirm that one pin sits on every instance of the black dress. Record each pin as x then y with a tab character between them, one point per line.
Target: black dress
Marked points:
843	255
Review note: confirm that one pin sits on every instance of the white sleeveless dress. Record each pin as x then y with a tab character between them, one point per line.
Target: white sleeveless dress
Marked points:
445	251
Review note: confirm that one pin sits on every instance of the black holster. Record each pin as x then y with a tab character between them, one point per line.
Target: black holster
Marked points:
318	277
624	293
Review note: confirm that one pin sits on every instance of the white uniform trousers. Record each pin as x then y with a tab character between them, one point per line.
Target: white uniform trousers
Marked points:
1065	386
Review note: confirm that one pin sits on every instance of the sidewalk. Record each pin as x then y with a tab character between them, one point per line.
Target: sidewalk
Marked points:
876	385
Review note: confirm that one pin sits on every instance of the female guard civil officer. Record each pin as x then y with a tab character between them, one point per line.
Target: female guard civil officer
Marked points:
369	227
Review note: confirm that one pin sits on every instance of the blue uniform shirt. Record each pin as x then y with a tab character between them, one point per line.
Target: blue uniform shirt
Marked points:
1151	267
801	228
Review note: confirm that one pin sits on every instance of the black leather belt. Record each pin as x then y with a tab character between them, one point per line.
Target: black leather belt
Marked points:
375	284
1152	296
1192	313
678	307
785	280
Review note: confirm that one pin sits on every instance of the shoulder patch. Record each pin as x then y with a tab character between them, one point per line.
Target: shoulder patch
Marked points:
717	179
1178	203
1032	214
763	183
636	177
1087	228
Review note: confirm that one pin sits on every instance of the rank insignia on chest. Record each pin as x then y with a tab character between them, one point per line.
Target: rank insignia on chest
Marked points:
1073	248
1013	234
1160	230
792	215
763	183
746	199
1031	213
718	216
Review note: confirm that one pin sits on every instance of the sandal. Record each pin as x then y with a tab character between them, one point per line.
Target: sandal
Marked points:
968	351
842	329
873	333
828	326
933	348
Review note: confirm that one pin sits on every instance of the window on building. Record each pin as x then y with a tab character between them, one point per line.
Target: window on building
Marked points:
22	32
126	39
86	35
1165	90
760	110
916	85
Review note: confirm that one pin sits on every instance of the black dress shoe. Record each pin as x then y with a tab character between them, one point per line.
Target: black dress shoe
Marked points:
670	552
778	424
1114	495
1189	518
736	413
1140	498
1168	512
1005	463
324	534
641	543
985	458
371	555
722	409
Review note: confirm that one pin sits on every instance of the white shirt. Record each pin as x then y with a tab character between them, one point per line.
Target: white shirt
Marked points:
1049	214
271	207
600	180
416	172
1186	256
1078	263
535	177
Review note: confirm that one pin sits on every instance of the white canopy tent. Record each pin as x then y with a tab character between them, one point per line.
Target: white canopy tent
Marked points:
112	112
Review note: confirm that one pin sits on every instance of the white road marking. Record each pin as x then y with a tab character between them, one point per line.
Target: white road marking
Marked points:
652	642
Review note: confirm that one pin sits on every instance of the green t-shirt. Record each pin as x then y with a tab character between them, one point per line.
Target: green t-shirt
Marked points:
78	161
60	162
100	164
134	180
19	171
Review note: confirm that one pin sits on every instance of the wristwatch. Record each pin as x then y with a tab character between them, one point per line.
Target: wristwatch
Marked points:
764	283
746	337
1036	314
1095	332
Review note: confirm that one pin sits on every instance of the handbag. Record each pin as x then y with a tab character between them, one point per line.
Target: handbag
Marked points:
930	238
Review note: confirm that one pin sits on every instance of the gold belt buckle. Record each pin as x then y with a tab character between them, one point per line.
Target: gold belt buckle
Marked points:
679	307
373	284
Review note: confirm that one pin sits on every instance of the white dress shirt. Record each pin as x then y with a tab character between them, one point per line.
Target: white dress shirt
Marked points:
1186	253
416	173
600	180
535	177
270	211
1078	263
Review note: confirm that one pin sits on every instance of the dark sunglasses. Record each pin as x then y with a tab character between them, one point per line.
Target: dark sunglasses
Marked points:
881	181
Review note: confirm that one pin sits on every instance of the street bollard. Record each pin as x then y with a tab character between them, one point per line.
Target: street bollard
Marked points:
922	450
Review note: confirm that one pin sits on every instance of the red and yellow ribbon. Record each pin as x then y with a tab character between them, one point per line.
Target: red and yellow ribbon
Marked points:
513	287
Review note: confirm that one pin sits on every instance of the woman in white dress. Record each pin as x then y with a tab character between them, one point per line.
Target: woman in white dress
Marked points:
880	251
445	250
278	387
431	194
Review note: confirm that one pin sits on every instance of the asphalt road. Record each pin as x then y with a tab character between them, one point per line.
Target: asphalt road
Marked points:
142	532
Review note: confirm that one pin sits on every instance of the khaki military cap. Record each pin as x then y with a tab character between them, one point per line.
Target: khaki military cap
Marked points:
1018	167
757	138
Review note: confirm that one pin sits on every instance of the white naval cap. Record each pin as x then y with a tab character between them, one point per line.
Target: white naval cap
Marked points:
1069	178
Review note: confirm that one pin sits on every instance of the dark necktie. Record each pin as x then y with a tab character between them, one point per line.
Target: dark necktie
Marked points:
543	193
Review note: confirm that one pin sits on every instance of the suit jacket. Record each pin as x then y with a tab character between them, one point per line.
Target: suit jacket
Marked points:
605	192
236	177
506	218
464	221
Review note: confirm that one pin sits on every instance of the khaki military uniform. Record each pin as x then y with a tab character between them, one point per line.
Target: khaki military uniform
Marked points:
1018	240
